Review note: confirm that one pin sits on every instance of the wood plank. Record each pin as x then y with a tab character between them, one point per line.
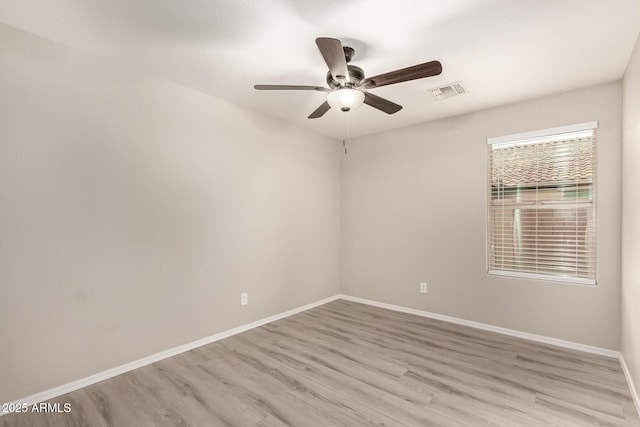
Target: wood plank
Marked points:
349	364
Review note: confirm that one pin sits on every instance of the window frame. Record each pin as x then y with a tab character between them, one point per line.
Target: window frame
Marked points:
532	137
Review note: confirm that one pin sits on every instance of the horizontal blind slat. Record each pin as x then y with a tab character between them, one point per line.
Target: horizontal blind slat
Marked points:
541	207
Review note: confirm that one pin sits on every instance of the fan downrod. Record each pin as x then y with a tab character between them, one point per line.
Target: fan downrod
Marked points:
348	53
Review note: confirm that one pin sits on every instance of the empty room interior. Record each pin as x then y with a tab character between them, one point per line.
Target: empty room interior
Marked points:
289	212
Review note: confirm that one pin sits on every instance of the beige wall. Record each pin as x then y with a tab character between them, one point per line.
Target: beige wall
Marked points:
630	313
413	209
133	213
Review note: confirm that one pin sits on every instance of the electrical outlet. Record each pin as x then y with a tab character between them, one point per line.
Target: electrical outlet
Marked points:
423	287
244	299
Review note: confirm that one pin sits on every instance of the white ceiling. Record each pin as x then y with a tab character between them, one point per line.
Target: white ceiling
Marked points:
502	50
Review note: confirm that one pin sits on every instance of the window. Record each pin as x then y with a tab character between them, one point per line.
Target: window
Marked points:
542	204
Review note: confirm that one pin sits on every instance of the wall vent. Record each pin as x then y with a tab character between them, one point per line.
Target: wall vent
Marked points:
448	90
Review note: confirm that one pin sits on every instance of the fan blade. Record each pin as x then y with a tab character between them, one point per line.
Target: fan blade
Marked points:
420	71
333	54
291	87
381	104
319	112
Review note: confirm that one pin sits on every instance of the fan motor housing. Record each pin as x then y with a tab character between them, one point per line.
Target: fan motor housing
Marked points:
356	75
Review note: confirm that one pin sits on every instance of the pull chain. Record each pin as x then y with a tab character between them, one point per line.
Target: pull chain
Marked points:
344	133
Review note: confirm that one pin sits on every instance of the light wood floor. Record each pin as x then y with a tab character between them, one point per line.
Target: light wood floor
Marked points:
349	364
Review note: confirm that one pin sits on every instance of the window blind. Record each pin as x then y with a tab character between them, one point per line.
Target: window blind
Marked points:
541	205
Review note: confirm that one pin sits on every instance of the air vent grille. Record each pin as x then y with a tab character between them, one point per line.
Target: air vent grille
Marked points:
448	90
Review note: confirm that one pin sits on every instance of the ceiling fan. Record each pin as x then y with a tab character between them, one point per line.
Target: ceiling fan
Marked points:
348	87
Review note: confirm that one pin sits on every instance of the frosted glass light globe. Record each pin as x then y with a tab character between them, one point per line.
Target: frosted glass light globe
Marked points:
345	99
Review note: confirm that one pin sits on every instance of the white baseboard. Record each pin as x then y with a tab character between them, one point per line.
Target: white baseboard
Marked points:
110	373
514	333
505	331
101	376
632	387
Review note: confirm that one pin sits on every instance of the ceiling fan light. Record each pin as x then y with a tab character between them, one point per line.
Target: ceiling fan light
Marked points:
345	99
